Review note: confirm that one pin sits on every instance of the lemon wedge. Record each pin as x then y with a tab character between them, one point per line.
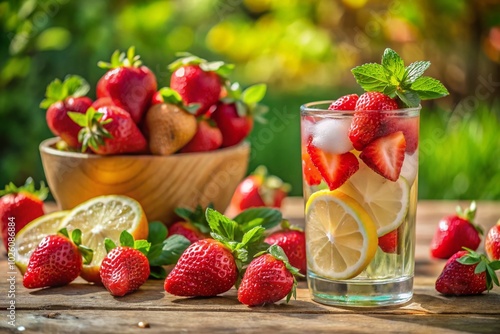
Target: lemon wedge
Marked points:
105	217
341	236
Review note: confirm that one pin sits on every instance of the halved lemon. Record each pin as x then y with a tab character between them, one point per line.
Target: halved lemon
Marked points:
385	201
105	217
341	236
29	237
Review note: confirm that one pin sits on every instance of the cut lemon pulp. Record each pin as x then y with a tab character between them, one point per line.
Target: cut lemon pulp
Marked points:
341	236
385	201
29	237
105	217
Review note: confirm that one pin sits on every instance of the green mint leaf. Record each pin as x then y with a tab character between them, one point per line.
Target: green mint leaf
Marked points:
411	99
221	225
390	91
157	232
154	251
270	218
171	250
126	239
76	86
393	63
429	88
142	246
371	77
254	94
157	272
255	235
109	244
415	70
195	217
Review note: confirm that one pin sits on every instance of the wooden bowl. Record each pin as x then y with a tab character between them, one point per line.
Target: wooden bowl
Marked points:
159	183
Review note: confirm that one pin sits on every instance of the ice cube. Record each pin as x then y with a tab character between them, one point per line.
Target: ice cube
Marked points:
410	167
306	129
331	135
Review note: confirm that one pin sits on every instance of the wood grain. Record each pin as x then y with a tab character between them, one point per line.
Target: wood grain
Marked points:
159	183
85	308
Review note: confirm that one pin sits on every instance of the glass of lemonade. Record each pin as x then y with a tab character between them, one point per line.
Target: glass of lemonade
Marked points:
360	205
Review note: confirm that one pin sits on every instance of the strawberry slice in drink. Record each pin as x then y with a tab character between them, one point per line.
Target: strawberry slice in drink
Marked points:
335	169
385	155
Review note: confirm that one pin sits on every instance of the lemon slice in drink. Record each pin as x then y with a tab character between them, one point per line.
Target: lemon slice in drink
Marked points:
341	236
28	238
105	217
385	201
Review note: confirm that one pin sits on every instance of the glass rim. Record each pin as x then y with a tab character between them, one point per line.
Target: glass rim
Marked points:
313	107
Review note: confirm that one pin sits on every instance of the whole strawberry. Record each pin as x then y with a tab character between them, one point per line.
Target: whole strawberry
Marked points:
467	273
194	226
128	84
492	242
109	130
235	113
346	102
257	190
169	125
56	261
293	242
368	121
197	81
455	232
61	97
125	268
18	207
208	137
268	279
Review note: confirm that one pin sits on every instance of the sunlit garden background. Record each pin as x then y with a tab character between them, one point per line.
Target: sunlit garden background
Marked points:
303	50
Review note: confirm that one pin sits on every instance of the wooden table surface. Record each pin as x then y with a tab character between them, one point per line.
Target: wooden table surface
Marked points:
85	308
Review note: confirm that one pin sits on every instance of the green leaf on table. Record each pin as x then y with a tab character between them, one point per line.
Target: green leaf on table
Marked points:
265	217
157	272
221	224
157	232
171	250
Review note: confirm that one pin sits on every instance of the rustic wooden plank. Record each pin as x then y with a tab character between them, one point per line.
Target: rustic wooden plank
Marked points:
91	321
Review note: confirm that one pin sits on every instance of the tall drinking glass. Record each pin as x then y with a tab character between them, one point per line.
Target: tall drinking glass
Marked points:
360	203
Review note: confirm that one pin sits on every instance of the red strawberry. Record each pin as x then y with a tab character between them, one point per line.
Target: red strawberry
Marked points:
206	138
293	242
102	102
389	242
235	114
257	190
62	97
492	242
129	85
186	229
385	155
368	121
18	207
409	127
56	261
467	273
198	81
125	268
206	268
311	173
109	130
268	279
455	232
335	169
346	102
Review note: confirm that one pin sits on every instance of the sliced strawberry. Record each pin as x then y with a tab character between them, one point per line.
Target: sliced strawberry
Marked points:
346	102
385	155
311	173
368	121
409	126
389	242
334	168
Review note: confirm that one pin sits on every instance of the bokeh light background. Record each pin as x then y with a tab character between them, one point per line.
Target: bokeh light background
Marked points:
303	50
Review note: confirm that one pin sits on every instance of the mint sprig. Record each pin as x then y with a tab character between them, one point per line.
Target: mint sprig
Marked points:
392	78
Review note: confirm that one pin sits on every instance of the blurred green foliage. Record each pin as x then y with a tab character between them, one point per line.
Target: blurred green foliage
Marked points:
303	50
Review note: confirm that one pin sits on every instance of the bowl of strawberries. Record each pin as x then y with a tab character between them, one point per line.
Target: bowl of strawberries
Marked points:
181	145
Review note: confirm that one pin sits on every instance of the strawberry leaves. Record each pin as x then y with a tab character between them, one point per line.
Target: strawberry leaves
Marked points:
122	59
482	265
76	238
247	101
278	253
392	78
28	187
222	69
57	90
93	132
